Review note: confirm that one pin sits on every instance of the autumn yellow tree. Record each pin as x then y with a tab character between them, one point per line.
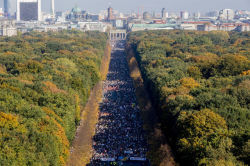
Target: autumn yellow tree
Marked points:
200	131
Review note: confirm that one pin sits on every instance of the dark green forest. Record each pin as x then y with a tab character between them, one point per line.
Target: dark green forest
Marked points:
45	80
200	84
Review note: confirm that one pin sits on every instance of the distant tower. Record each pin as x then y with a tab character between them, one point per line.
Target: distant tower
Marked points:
6	8
28	10
110	14
153	14
164	13
184	15
53	8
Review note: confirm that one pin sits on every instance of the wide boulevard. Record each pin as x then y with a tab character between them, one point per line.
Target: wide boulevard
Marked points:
119	137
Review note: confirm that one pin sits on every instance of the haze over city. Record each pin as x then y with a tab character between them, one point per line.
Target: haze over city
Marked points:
148	5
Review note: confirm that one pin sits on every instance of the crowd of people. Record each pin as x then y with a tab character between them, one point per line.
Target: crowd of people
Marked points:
119	131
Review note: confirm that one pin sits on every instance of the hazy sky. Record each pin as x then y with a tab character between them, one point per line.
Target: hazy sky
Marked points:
148	5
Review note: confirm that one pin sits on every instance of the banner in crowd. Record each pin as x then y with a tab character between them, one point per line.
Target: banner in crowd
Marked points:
137	159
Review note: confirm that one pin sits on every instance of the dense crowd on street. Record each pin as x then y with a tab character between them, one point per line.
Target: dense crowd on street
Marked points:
119	132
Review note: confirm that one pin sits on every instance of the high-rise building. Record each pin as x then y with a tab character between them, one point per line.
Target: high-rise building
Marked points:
6	8
28	10
8	28
184	15
53	8
110	14
164	13
226	14
147	16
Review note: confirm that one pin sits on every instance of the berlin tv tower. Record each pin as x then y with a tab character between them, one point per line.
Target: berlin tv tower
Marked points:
53	8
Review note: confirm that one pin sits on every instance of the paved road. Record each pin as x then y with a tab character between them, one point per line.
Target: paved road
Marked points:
119	138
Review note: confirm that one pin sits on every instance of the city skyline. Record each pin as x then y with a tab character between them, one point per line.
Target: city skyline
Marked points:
148	5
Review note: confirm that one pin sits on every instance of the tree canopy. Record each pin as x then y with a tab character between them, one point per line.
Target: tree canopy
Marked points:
199	83
45	80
